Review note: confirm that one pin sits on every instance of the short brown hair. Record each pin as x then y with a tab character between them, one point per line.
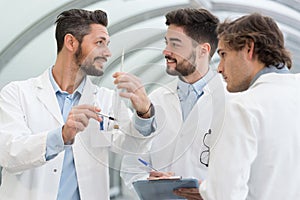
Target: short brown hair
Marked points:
77	22
263	31
199	24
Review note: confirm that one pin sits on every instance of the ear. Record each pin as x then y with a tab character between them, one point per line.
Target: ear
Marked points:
204	49
70	42
250	50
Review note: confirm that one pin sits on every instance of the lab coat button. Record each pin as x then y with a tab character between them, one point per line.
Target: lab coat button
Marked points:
54	170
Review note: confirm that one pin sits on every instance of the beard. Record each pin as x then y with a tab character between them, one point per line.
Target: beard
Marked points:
87	64
184	67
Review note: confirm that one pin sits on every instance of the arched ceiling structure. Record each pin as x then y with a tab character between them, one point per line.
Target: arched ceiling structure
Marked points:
27	45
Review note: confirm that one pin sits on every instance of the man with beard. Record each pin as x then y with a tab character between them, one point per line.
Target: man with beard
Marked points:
50	143
189	110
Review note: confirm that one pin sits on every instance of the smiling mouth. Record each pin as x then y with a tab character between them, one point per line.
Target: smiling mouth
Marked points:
170	60
100	60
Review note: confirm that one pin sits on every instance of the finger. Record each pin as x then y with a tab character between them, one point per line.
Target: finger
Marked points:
88	110
79	127
81	118
158	174
127	95
128	86
170	173
190	190
87	107
126	77
187	195
117	74
84	106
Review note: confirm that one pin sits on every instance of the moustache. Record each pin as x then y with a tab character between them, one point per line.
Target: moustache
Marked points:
104	59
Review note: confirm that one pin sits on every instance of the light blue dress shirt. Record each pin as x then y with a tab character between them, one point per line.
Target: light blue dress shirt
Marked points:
190	93
147	126
68	187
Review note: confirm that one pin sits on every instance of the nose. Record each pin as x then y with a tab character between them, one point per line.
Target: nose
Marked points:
107	52
220	68
167	52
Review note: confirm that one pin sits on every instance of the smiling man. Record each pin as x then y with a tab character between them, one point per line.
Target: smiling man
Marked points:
50	143
187	108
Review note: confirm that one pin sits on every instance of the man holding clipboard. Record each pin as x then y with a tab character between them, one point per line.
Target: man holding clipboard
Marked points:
187	110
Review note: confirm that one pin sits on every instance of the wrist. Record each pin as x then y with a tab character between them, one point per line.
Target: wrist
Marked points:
147	113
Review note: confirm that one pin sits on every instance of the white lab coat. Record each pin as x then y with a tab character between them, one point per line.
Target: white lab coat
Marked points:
28	111
256	156
177	144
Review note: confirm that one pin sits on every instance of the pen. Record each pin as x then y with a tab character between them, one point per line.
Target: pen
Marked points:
122	61
103	115
147	164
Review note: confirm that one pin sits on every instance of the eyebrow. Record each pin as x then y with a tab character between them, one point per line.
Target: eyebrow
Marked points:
103	38
173	39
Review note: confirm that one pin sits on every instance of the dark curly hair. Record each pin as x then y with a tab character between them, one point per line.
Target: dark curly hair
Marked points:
199	24
77	22
263	31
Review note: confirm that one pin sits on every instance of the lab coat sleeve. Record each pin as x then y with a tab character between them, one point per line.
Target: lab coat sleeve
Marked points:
20	149
122	140
232	155
132	170
127	140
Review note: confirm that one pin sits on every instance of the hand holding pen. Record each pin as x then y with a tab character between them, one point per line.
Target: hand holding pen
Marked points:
147	164
106	116
157	175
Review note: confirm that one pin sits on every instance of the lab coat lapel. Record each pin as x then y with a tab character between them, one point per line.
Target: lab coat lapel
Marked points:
204	116
192	130
219	97
87	94
171	95
198	120
45	93
91	134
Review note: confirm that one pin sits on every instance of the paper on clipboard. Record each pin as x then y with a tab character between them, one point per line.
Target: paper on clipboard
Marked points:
163	188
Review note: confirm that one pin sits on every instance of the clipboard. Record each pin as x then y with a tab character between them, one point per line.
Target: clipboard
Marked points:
162	188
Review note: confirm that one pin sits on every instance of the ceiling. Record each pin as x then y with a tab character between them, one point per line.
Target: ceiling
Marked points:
28	46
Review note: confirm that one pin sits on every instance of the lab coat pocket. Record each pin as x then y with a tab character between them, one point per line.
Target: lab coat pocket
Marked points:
98	138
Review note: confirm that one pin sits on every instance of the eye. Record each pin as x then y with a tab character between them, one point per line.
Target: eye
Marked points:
102	43
222	54
175	45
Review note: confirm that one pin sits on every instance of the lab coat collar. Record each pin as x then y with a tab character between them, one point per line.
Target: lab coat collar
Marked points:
87	96
270	69
171	88
46	94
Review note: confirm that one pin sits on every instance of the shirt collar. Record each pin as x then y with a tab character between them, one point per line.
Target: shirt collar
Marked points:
56	88
198	85
270	69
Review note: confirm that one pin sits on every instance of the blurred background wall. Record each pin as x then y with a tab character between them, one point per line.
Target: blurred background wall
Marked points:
28	47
